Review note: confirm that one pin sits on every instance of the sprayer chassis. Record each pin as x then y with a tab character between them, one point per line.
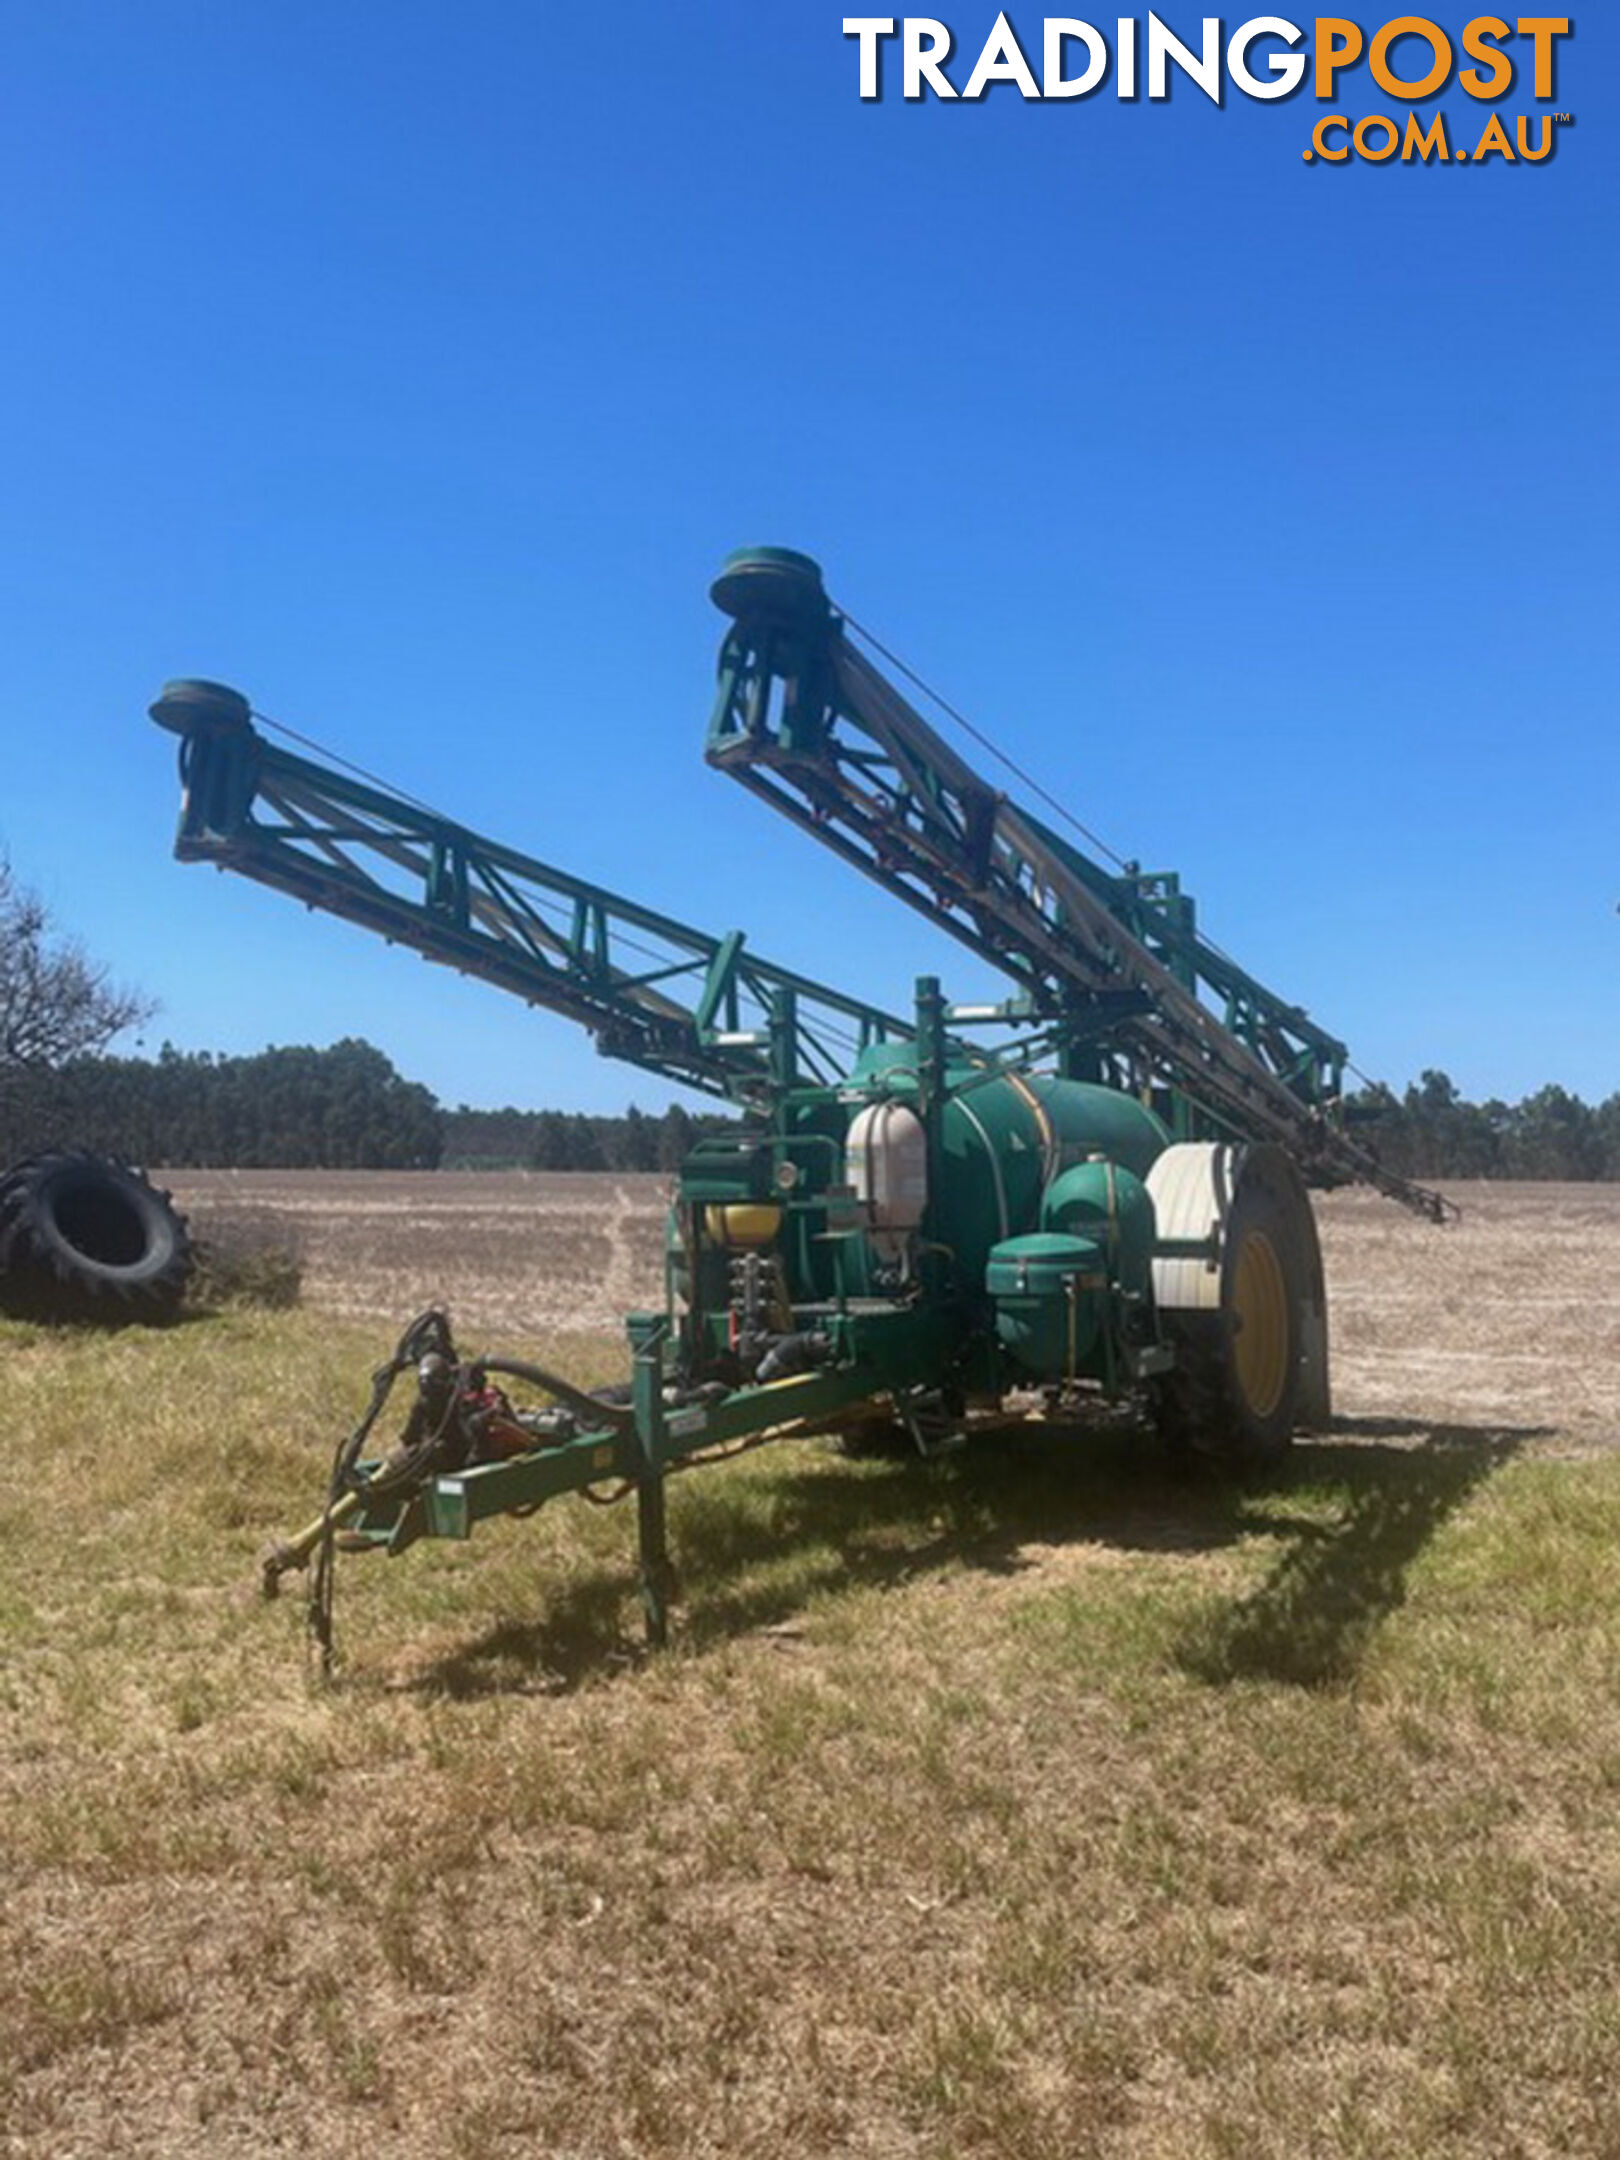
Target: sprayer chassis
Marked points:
661	1439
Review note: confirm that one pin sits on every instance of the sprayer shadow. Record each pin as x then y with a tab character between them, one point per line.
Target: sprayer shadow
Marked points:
1310	1622
754	1552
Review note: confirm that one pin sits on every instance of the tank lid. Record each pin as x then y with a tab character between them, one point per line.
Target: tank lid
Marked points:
193	706
1039	1264
775	582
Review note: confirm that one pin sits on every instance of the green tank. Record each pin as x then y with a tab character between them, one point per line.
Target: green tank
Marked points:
1005	1138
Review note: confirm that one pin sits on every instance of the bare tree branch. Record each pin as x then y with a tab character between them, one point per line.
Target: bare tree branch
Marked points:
55	1003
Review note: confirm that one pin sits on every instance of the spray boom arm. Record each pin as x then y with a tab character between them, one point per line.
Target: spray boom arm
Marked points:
1114	960
692	1007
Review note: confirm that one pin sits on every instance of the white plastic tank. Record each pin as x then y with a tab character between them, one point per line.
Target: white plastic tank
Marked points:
886	1160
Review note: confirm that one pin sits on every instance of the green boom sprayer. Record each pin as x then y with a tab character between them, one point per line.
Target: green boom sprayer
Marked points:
1095	1185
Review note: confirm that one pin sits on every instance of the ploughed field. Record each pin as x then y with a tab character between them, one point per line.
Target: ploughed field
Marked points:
1037	1799
1510	1316
515	1251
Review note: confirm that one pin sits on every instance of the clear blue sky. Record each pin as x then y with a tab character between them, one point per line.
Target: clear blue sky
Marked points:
412	367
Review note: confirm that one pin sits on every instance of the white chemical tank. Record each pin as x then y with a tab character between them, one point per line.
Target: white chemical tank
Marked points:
886	1161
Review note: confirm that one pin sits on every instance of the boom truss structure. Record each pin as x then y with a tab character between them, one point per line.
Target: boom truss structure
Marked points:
1113	962
693	1007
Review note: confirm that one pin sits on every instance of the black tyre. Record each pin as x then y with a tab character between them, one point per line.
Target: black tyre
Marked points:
85	1238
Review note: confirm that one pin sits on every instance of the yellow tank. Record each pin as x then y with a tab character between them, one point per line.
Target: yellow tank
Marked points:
743	1225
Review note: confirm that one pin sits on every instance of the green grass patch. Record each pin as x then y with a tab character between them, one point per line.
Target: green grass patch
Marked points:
1028	1800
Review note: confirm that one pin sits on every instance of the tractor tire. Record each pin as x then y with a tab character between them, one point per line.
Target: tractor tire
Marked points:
86	1238
1246	1316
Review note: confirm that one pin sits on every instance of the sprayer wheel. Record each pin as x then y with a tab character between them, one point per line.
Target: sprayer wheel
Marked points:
1246	1360
86	1238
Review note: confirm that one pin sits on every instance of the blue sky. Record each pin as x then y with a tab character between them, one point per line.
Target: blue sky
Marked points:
413	367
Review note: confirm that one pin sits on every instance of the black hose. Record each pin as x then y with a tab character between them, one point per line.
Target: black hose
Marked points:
430	1423
428	1335
617	1417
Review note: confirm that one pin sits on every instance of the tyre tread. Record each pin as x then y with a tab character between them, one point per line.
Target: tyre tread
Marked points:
45	1276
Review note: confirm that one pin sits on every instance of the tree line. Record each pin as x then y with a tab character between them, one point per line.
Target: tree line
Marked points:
297	1108
578	1140
335	1109
1433	1132
347	1108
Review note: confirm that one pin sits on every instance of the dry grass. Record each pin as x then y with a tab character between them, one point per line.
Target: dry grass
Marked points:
1023	1803
245	1256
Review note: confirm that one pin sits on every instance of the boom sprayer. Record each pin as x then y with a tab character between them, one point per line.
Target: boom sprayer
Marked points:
1096	1186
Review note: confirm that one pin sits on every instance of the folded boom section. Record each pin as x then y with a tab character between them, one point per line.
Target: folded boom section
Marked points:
1113	961
686	1004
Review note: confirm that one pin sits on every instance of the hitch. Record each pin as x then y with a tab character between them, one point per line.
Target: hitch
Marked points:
292	1554
466	1449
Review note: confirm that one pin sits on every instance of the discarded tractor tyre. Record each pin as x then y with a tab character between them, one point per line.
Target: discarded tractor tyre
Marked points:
86	1238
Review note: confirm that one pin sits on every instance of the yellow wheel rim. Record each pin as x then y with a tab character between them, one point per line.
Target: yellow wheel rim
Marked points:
1260	1348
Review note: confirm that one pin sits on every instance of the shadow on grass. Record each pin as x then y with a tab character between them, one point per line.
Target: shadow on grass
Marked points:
752	1551
21	1328
582	1637
1310	1621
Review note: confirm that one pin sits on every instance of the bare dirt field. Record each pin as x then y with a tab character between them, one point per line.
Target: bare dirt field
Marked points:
524	1251
1508	1317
